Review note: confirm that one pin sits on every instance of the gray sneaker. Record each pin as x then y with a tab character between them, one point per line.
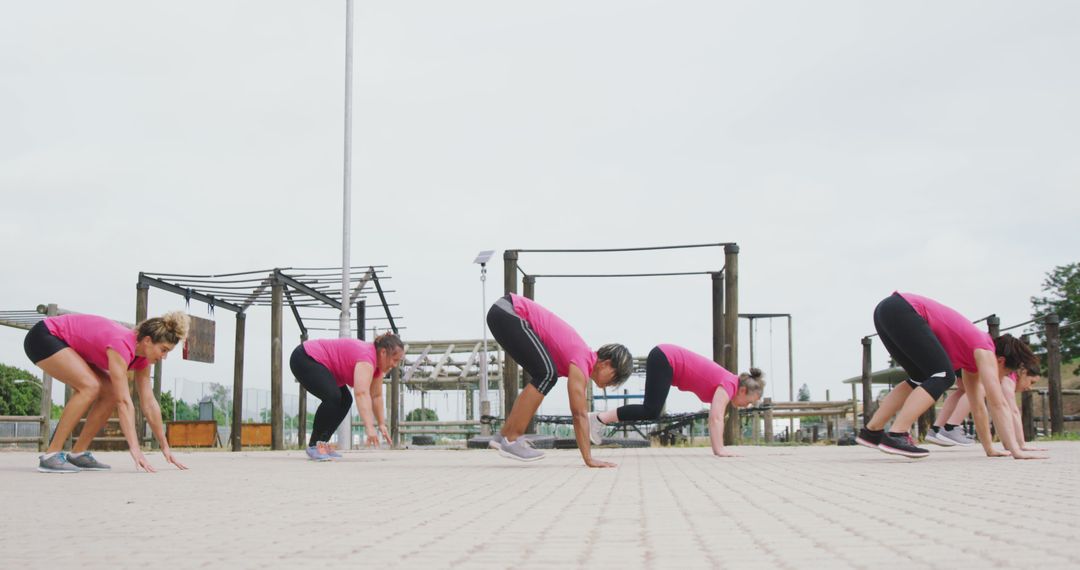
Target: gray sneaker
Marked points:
56	464
496	441
596	429
521	450
937	438
956	435
87	462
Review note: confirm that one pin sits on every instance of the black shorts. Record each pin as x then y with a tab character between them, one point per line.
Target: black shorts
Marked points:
521	342
40	344
909	340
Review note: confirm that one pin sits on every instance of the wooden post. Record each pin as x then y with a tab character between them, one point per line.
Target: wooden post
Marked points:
238	382
814	434
768	421
510	369
276	404
301	408
46	396
1045	414
755	428
731	334
528	290
854	410
361	334
993	326
395	409
142	294
1053	375
867	396
1027	415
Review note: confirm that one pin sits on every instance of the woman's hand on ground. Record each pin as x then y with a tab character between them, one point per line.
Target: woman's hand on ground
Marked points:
141	462
725	453
994	452
372	440
596	463
1023	455
172	459
1026	448
385	434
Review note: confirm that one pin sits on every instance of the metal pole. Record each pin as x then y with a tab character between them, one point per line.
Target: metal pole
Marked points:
731	333
993	326
238	382
277	414
344	431
485	404
750	326
528	290
301	408
1053	375
791	366
718	317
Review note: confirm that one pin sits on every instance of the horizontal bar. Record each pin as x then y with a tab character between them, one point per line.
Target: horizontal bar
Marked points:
25	419
164	285
621	249
26	439
673	274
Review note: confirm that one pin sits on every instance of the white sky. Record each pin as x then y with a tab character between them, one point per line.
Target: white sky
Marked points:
850	148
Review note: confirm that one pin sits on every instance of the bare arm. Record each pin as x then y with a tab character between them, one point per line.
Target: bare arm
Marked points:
576	387
990	383
362	380
125	409
152	411
380	408
716	423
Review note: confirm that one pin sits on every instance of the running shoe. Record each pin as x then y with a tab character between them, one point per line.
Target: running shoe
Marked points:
869	438
58	463
330	451
957	436
520	450
87	462
314	454
596	429
496	441
938	438
901	445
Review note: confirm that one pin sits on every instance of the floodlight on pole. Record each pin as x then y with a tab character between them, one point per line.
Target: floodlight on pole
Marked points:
485	405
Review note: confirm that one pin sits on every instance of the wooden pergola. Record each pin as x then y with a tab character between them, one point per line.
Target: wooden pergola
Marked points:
306	291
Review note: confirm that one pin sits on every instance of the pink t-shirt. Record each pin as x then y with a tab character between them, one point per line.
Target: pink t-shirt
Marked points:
561	340
957	335
91	335
340	355
692	372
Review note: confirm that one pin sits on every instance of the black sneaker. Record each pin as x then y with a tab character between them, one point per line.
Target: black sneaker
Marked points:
901	445
869	438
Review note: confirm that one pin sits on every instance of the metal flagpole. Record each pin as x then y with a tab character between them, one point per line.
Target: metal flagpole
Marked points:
344	431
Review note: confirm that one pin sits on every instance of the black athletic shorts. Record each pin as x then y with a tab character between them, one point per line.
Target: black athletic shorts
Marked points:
40	344
521	342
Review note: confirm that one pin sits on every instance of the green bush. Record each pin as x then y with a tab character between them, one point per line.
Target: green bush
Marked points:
19	398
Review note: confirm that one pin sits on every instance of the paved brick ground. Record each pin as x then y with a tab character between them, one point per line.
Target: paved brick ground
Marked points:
775	507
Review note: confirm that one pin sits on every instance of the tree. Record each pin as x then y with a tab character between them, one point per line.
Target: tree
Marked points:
422	415
804	393
1062	288
20	392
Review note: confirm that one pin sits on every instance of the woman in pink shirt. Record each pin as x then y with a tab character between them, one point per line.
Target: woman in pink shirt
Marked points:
947	430
93	355
548	348
328	368
930	341
669	365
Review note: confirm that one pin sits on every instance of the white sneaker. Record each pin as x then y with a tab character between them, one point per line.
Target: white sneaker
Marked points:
496	441
596	429
935	437
957	436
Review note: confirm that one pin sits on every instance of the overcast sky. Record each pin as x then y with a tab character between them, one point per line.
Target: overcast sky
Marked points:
849	148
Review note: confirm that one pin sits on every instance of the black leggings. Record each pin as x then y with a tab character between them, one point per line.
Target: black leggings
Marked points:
336	401
521	342
658	376
909	340
40	344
